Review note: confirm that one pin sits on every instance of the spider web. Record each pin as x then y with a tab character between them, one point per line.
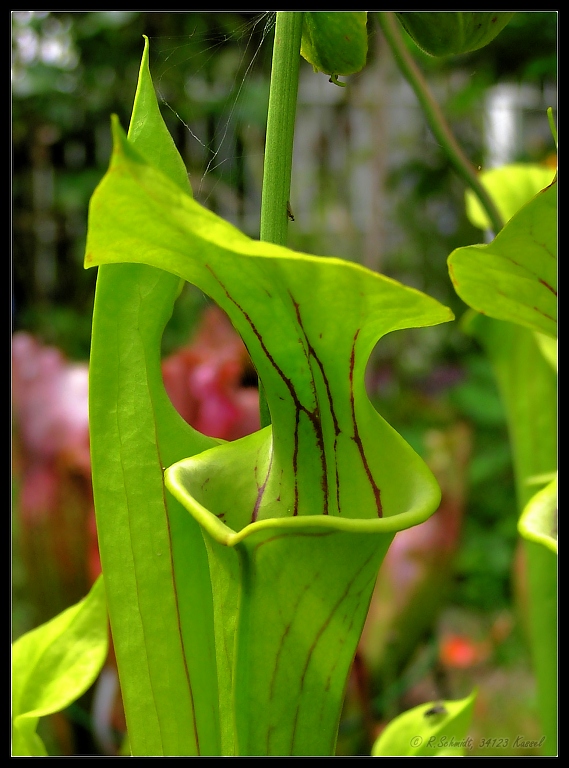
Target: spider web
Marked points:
213	85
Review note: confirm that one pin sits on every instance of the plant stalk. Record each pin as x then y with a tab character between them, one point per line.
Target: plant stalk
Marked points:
435	118
279	141
552	125
280	127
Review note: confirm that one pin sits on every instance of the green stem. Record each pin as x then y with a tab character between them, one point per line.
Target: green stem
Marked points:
552	125
280	127
435	118
279	140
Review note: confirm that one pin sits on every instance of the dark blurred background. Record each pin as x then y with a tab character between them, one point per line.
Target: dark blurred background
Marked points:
370	184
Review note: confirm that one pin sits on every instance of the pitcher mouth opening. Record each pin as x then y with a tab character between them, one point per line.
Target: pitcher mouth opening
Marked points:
180	477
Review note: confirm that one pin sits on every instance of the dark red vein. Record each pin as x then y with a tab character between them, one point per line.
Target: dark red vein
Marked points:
177	604
288	383
310	354
261	489
313	415
319	634
549	287
356	436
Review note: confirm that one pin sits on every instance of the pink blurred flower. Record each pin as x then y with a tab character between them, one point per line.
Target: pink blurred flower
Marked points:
52	472
50	403
204	380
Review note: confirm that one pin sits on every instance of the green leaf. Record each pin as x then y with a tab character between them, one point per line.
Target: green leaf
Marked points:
152	552
297	517
548	347
287	307
438	729
451	33
55	664
335	42
515	277
538	521
511	187
528	385
543	607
